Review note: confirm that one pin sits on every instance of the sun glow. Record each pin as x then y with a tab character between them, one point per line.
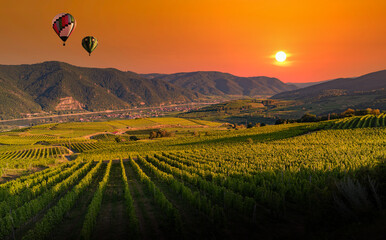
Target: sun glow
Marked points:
280	56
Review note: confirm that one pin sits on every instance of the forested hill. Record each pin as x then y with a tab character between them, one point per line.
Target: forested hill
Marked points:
61	86
218	83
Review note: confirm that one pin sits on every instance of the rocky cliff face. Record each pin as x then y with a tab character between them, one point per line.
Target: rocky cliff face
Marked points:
68	103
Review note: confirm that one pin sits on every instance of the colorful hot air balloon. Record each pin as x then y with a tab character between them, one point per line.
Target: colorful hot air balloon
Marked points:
63	24
89	43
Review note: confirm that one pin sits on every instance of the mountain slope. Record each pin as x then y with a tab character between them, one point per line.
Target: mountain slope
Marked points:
367	91
306	84
46	85
14	101
218	83
365	84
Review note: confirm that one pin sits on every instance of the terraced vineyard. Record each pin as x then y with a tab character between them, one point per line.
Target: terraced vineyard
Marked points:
83	146
22	158
361	122
297	181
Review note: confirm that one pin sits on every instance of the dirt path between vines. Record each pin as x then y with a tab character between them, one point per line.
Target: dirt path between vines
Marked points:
112	222
72	223
149	217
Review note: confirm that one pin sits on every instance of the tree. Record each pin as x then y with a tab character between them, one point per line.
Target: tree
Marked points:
280	121
153	134
349	112
160	134
308	118
241	126
368	110
134	138
163	133
334	116
376	112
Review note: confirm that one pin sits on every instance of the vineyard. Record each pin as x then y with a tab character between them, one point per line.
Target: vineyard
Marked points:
83	146
16	159
321	180
361	122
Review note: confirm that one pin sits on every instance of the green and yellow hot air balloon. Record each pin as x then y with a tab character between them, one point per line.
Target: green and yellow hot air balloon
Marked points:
89	43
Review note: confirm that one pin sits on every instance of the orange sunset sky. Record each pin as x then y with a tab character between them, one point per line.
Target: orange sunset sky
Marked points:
324	39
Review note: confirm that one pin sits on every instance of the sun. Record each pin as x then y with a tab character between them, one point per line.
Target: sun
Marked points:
280	56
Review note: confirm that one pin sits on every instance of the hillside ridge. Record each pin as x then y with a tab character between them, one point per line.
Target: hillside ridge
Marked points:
220	83
371	82
53	85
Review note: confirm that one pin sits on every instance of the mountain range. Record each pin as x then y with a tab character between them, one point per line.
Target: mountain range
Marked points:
219	84
57	86
339	94
368	83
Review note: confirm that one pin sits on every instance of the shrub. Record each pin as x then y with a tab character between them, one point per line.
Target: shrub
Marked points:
160	134
134	138
153	134
308	118
348	113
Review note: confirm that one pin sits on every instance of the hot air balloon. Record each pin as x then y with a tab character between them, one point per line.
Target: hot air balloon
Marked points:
63	24
89	43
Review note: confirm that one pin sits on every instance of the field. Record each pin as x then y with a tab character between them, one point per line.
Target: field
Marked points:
322	180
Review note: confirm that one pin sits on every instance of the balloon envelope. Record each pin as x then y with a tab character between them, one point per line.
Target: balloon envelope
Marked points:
63	24
89	43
